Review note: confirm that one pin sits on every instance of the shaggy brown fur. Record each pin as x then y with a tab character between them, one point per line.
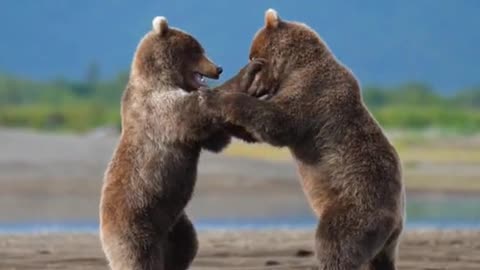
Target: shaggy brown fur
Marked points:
152	174
349	171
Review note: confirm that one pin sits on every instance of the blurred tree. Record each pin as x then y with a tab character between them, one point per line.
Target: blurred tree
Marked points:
375	97
92	79
11	94
92	74
416	93
469	98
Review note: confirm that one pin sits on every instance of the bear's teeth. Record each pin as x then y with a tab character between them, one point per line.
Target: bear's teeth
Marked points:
264	97
199	78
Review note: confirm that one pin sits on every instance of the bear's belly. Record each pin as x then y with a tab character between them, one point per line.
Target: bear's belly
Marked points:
315	188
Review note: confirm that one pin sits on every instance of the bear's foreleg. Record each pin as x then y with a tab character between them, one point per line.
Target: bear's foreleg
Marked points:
263	119
217	141
241	82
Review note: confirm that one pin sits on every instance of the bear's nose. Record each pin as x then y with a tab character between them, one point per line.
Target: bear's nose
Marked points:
219	70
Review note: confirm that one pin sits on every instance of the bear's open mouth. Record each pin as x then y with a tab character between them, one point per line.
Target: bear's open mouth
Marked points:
199	79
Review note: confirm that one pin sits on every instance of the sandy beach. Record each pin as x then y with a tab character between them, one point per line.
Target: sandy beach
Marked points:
254	250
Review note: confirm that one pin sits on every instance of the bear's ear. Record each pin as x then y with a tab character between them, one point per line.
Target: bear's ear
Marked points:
160	25
271	18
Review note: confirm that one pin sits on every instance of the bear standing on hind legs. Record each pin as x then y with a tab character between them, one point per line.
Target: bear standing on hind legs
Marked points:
152	174
349	171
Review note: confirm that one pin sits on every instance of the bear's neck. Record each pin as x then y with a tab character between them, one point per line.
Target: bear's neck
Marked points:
147	80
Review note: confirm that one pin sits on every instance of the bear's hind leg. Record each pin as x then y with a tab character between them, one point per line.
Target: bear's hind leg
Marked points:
182	245
385	259
125	253
347	239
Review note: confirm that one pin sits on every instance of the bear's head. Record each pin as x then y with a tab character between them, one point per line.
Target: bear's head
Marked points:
171	57
286	47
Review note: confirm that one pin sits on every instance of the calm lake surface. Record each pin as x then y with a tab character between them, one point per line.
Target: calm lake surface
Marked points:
429	212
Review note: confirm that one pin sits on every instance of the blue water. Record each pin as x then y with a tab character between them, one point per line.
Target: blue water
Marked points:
241	224
438	212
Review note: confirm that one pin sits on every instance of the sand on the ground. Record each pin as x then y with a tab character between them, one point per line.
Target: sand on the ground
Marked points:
57	178
254	250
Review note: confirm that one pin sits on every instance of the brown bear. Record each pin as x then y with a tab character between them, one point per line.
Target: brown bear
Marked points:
349	171
152	174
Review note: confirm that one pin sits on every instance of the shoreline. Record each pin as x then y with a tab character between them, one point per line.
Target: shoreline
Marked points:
241	224
254	250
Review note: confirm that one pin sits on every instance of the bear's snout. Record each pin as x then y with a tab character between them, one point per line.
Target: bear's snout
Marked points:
219	70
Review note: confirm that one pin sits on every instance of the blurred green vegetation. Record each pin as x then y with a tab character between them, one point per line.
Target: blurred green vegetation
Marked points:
81	105
417	106
61	104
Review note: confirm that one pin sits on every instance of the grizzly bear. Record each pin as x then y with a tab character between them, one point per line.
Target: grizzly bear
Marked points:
349	171
152	174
